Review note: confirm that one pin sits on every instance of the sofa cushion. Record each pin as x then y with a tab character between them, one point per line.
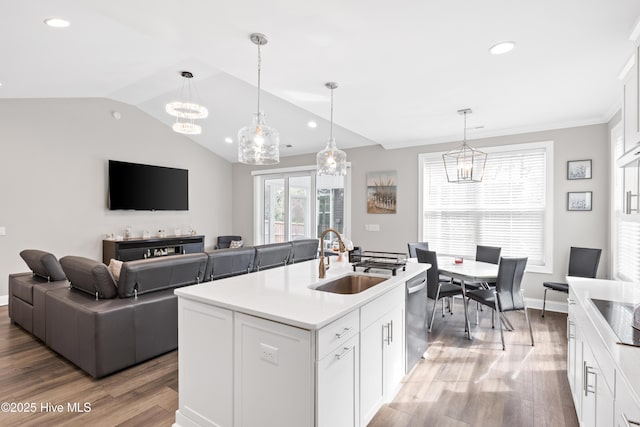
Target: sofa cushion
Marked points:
229	262
43	264
115	265
155	274
90	276
234	244
272	255
304	250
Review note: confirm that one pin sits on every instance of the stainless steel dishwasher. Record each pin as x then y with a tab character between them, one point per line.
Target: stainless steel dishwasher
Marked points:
416	320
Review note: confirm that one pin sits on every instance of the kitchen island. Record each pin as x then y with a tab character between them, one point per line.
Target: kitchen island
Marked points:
268	349
604	375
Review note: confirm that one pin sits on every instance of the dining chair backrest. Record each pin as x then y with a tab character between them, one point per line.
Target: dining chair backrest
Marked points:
510	273
583	262
490	254
413	245
433	276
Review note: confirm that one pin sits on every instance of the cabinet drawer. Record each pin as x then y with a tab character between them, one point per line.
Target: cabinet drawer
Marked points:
380	306
337	332
627	409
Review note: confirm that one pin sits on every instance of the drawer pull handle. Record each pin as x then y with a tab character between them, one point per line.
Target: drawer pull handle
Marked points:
629	422
587	387
341	334
345	351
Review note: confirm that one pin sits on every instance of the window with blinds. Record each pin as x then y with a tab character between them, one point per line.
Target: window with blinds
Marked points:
625	228
507	209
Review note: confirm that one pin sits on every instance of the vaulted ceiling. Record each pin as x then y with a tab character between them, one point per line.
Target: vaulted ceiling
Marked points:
403	68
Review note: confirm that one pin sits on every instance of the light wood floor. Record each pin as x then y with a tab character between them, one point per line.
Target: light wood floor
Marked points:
461	383
475	383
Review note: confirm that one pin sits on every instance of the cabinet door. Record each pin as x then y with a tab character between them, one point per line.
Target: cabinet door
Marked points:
589	378
571	355
338	385
205	364
393	354
372	340
273	374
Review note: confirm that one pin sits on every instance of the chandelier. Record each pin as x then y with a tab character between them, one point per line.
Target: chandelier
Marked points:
258	144
331	160
186	111
464	164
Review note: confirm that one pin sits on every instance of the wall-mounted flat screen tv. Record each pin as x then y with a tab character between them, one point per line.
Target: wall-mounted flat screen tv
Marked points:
141	187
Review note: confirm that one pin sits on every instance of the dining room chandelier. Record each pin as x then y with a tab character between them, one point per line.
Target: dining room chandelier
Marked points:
331	160
258	143
186	111
464	164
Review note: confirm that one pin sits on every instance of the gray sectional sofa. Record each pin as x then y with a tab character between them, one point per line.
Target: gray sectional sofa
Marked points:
78	309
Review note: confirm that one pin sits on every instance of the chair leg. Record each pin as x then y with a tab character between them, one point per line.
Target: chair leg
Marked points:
493	315
526	316
451	304
477	313
435	304
465	303
544	301
499	319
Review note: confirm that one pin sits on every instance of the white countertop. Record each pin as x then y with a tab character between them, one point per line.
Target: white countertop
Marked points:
285	294
625	357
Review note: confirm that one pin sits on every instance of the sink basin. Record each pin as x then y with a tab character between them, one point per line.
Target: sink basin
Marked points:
351	284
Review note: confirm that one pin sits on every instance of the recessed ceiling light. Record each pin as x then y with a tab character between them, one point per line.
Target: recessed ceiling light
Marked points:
57	22
228	140
289	146
312	124
502	47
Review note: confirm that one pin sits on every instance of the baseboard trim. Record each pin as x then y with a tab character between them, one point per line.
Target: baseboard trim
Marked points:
4	300
557	306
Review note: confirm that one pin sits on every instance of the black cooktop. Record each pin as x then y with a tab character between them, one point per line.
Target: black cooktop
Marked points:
619	315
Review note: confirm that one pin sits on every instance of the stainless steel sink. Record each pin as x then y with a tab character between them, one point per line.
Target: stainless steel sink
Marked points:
351	284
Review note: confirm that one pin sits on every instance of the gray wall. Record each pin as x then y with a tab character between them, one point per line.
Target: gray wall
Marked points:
53	179
588	229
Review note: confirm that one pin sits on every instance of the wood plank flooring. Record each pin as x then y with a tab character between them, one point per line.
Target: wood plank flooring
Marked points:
460	383
475	383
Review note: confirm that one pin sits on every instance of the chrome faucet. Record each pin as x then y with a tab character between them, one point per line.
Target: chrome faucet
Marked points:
322	268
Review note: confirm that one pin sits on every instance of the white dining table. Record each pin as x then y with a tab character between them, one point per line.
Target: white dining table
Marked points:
469	271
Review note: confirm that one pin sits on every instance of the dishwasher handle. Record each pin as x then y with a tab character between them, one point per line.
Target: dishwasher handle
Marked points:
416	288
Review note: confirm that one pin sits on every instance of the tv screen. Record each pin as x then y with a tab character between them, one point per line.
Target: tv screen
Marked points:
147	188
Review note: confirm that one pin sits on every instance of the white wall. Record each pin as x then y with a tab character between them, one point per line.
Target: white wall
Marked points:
588	229
54	170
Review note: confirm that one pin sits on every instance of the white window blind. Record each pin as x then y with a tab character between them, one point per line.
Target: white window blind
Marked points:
507	209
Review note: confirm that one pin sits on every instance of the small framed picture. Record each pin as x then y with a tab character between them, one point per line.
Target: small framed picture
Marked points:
579	169
579	201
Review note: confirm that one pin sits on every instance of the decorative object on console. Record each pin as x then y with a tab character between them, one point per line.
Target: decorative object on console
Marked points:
331	160
186	111
579	169
464	164
579	201
381	192
236	244
258	144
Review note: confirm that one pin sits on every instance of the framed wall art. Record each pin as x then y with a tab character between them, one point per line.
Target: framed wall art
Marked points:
381	192
579	169
579	200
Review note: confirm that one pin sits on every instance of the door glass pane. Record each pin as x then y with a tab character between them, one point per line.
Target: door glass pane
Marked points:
330	202
300	206
274	231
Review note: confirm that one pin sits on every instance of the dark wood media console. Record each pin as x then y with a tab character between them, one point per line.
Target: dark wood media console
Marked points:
138	248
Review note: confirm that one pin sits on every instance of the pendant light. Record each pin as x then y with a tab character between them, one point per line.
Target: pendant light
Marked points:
331	160
464	164
258	144
186	111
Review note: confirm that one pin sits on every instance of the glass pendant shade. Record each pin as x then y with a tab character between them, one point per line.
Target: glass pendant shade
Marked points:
258	143
464	164
331	160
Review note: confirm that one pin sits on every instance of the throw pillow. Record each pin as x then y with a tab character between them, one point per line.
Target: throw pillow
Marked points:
236	244
114	267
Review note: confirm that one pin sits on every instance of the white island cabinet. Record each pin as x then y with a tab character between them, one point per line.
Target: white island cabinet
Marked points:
604	376
268	349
